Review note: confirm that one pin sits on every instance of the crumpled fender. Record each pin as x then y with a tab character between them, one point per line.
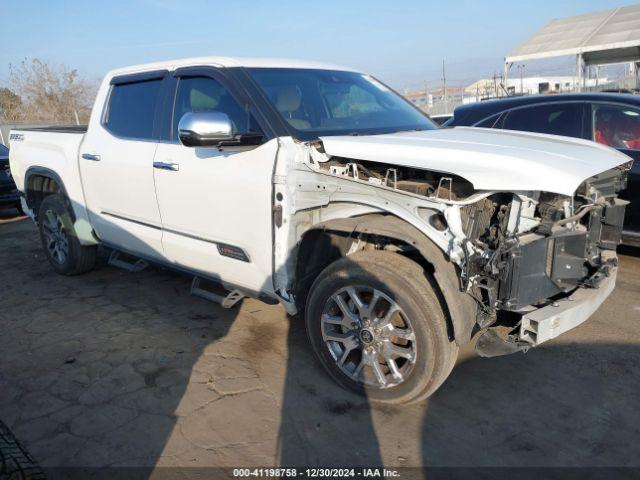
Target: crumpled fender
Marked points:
462	308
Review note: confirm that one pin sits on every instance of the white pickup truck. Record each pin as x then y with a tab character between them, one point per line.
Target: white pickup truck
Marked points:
320	188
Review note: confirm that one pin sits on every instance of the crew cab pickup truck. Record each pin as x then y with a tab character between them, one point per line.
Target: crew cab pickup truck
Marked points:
320	188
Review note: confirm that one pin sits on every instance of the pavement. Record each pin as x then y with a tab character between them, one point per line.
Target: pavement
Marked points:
113	368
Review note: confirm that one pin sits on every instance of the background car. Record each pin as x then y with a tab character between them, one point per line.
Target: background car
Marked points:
8	193
607	118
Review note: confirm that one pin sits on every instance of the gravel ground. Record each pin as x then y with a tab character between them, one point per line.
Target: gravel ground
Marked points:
127	369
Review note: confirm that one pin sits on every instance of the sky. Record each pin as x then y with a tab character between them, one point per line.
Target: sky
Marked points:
402	42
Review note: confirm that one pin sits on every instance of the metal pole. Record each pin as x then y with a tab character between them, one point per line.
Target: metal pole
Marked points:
444	88
578	85
507	66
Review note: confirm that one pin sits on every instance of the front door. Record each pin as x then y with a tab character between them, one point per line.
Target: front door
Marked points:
215	204
116	166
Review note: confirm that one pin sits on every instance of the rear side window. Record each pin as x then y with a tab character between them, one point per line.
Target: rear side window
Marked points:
616	126
131	109
556	119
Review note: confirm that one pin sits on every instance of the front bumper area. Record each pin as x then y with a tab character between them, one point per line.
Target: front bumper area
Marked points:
540	324
548	322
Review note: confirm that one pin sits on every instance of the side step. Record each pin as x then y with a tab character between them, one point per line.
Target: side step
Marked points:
214	292
126	262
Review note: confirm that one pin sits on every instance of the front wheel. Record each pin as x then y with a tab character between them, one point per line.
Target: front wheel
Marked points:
376	324
64	251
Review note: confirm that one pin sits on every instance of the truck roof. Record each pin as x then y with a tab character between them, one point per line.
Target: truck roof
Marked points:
250	62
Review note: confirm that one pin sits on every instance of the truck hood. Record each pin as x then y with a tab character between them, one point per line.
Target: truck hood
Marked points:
489	159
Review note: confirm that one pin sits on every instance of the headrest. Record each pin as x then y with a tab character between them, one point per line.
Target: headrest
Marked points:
288	99
201	101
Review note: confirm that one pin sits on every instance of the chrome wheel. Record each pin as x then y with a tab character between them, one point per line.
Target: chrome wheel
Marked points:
369	336
55	235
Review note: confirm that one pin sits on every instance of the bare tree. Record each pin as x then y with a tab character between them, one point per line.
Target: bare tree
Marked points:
10	106
50	93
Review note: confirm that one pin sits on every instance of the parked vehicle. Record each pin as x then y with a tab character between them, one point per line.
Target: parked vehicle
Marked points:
610	119
320	188
8	192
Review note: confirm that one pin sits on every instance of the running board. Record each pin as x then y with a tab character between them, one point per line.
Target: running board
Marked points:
214	292
126	262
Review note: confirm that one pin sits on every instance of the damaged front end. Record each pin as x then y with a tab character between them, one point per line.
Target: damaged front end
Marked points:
528	244
536	263
539	259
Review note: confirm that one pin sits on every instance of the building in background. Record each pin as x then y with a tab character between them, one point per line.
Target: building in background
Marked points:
597	40
489	88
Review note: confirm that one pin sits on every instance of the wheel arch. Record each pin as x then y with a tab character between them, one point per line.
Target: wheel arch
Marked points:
40	182
327	241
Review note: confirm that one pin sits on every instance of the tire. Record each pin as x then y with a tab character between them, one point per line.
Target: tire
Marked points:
15	461
68	256
427	355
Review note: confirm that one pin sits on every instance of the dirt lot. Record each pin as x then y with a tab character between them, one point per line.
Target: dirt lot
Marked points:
118	368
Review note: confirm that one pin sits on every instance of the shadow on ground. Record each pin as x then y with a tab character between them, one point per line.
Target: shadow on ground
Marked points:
121	369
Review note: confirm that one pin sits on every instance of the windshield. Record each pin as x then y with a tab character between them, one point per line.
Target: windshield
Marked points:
327	102
4	151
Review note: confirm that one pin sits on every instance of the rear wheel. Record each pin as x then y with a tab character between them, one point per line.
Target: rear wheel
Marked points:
61	245
377	326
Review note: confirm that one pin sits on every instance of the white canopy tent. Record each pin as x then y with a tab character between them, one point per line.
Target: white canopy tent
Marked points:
599	38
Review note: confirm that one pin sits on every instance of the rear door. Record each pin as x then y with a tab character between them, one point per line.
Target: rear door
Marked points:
116	165
618	126
216	204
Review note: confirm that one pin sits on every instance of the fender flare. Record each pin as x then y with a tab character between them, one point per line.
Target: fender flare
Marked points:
462	308
44	172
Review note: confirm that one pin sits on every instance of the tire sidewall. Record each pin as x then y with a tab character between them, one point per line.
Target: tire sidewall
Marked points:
59	206
344	273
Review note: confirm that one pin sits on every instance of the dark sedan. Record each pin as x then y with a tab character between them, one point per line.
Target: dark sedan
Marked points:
607	118
8	194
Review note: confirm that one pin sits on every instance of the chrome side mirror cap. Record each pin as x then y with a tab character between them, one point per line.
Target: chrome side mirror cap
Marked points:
204	129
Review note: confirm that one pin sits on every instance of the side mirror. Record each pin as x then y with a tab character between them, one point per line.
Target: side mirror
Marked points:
204	129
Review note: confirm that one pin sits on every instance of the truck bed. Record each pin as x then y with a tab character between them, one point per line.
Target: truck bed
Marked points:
50	149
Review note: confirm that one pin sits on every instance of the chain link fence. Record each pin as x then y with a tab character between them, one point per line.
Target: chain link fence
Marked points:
446	105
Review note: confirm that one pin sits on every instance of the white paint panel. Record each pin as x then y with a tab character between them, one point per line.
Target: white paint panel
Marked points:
218	197
489	159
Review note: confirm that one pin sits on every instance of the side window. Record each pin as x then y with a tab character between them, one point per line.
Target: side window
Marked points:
557	119
131	109
617	126
203	94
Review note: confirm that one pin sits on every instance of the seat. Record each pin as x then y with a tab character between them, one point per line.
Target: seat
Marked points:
288	102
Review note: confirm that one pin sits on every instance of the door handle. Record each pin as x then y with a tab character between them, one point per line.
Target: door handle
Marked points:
91	156
174	167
